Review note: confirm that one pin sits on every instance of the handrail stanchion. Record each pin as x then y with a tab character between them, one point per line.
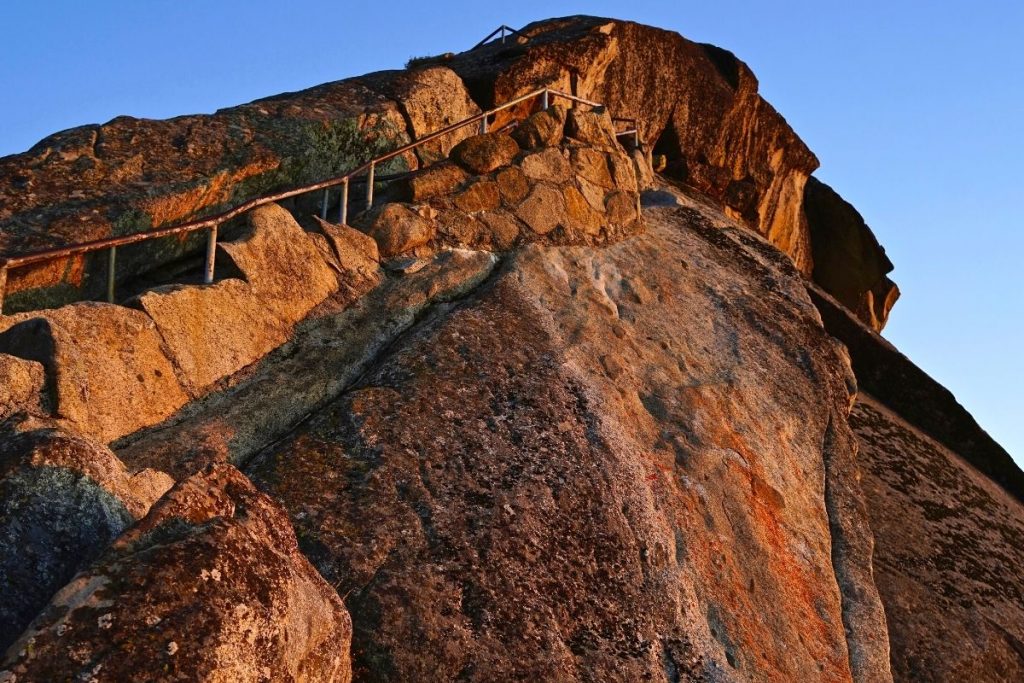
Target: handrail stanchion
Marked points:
369	186
211	255
483	124
3	285
323	208
111	264
343	211
544	99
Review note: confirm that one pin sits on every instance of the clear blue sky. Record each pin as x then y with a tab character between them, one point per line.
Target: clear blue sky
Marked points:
916	110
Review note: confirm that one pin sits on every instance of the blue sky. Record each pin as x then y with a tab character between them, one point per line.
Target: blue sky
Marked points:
915	109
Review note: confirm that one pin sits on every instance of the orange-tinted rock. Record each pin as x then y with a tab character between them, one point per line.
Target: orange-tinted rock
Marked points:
594	501
592	165
590	127
438	180
106	368
849	263
209	586
431	99
547	164
697	104
398	229
543	210
63	499
283	266
481	195
541	129
485	152
512	184
21	385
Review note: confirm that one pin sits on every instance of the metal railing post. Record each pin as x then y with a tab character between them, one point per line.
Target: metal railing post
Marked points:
502	34
211	255
544	99
111	265
369	186
483	124
3	285
343	211
323	207
636	138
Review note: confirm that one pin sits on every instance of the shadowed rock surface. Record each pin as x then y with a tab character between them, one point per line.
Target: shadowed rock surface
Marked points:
209	586
63	499
949	548
592	470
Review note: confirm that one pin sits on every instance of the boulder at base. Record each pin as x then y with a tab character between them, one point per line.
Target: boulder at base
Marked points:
63	499
210	586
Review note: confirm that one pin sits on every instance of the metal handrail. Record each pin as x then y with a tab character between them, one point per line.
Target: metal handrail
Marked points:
211	223
501	29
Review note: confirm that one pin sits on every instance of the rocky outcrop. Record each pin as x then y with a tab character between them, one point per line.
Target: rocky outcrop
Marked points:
643	485
208	586
907	390
130	175
849	263
495	196
63	499
698	104
21	385
99	358
949	545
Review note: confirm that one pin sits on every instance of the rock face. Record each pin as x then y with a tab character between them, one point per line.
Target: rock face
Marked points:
698	104
63	499
100	358
209	586
641	486
949	545
849	263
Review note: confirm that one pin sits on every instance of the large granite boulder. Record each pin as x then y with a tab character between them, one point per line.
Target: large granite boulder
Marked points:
649	482
63	499
208	586
107	372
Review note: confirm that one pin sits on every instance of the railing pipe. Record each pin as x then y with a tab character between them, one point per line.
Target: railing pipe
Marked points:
212	222
343	211
369	186
111	269
323	207
3	285
211	255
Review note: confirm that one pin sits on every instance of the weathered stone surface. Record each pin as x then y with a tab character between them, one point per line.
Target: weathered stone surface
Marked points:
435	181
356	252
325	355
621	207
486	152
129	175
209	586
543	210
212	331
503	227
644	169
63	499
623	171
594	501
431	98
593	127
397	229
21	385
697	104
579	212
105	365
849	263
481	195
592	165
281	263
513	185
547	164
541	129
949	545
